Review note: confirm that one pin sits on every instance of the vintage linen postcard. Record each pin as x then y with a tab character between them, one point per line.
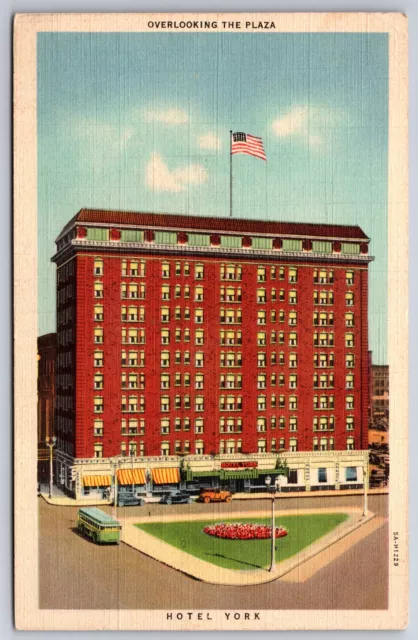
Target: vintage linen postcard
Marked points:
210	321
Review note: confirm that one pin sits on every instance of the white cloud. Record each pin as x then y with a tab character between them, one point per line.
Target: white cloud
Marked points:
294	122
171	116
306	123
160	178
210	141
101	135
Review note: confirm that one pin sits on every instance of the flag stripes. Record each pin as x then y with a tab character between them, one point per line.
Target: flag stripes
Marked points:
247	144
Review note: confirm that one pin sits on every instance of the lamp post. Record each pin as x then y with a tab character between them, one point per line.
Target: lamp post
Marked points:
114	462
273	537
51	442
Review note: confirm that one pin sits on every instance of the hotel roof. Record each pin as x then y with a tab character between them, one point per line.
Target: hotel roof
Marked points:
214	224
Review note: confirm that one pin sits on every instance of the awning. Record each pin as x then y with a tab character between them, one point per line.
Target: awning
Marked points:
165	476
131	476
97	481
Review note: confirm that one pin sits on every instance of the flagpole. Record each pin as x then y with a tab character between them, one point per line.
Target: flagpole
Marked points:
230	174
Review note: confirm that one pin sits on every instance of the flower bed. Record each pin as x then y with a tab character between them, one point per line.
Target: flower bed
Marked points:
243	531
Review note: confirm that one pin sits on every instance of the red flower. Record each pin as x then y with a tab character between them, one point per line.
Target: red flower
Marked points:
243	531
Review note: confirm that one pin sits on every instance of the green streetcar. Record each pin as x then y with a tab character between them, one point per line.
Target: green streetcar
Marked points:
98	525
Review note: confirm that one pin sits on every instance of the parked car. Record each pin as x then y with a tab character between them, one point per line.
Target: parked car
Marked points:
214	495
126	500
176	497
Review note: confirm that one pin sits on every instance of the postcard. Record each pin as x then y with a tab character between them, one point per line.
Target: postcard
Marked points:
210	258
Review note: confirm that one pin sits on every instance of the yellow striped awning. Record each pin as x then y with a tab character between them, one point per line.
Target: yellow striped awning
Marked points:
165	476
129	476
97	481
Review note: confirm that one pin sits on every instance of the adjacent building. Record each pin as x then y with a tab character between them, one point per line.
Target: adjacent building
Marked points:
47	347
192	347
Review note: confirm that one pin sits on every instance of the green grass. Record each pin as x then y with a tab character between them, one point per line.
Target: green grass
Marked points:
245	554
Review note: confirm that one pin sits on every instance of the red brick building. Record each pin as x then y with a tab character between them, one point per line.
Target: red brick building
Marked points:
208	337
47	347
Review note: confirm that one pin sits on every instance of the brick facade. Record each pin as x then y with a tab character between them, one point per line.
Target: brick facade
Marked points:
185	289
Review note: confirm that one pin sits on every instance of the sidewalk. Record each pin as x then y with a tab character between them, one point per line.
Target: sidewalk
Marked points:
66	501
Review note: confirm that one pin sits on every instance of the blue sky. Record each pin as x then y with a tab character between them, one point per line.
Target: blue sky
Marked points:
141	122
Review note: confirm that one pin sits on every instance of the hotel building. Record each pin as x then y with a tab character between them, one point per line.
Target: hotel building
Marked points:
198	348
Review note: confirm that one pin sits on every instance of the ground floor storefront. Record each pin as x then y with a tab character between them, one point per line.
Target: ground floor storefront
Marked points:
250	473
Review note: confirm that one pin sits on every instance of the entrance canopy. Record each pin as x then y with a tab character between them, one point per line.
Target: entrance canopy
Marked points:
165	476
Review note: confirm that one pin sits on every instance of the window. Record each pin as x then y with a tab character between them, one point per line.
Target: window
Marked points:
349	319
351	474
98	427
165	314
292	245
282	422
293	297
199	359
98	404
98	267
293	318
98	234
293	360
349	277
261	317
350	444
322	474
349	360
199	380
199	336
131	235
349	339
165	292
261	359
350	247
261	338
293	402
98	312
293	423
165	358
98	358
133	291
165	403
165	270
293	274
98	380
98	450
261	403
165	448
199	271
98	335
349	381
98	289
261	296
261	274
199	403
349	402
165	381
165	336
349	299
198	293
293	381
198	316
293	444
293	339
261	381
198	240
262	446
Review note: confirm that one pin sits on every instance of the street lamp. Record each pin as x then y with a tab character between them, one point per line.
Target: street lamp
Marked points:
273	537
51	442
114	462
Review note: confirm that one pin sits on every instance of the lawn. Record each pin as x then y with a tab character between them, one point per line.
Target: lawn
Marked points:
245	554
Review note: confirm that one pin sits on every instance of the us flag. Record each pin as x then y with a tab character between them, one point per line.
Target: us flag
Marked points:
245	143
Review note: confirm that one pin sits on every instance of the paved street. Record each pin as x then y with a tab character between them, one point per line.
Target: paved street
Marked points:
76	574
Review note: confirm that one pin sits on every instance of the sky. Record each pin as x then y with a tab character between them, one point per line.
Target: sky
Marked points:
141	122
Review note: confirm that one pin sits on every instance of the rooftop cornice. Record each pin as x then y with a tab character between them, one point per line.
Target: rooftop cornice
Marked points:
184	249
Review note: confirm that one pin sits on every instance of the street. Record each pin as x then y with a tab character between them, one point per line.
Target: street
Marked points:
77	574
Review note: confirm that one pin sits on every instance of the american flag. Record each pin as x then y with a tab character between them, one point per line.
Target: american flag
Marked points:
245	143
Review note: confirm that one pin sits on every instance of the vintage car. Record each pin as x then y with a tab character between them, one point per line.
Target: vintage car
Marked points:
176	497
129	500
214	495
